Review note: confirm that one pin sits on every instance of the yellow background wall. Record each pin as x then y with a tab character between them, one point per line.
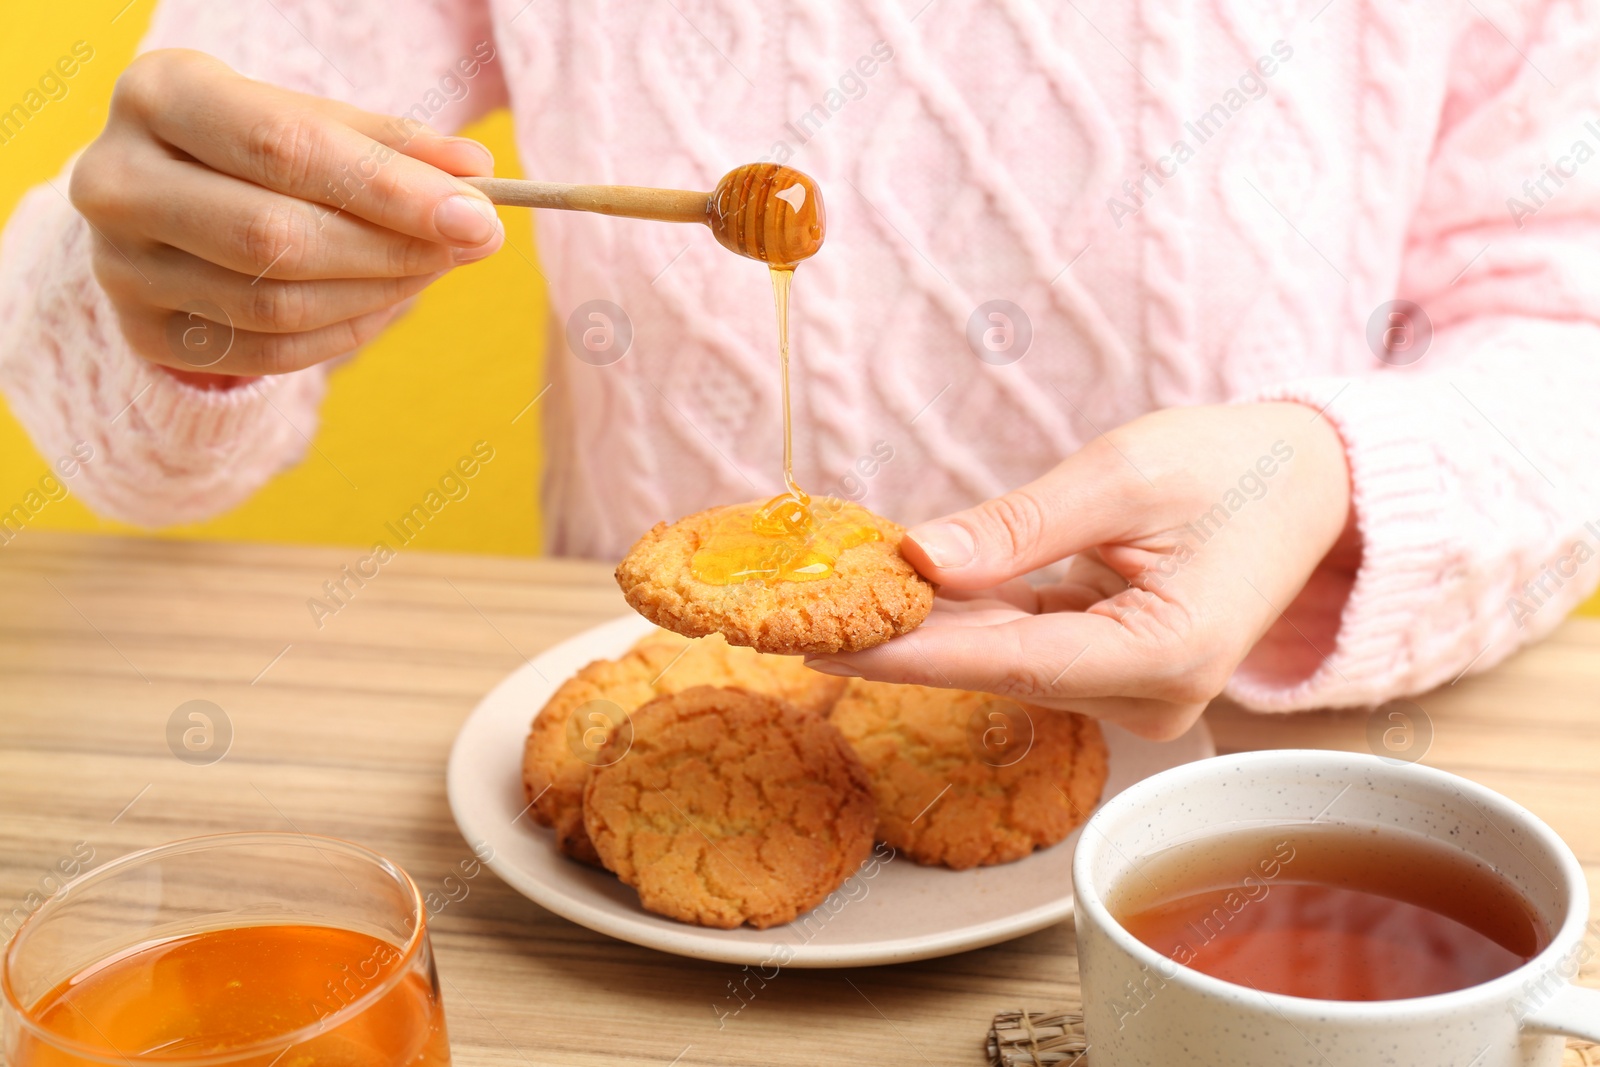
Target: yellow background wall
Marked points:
456	369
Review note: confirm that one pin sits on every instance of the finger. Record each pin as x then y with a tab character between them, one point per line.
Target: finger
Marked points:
253	231
289	143
1018	592
973	613
460	156
216	349
1029	658
1135	645
171	279
1085	500
1088	581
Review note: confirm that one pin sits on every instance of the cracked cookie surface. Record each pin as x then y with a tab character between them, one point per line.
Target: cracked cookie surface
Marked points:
731	808
563	745
965	779
872	595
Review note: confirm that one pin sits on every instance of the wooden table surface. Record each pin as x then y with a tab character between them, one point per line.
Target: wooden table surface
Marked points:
343	729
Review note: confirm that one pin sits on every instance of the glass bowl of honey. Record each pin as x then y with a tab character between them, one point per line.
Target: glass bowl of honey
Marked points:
247	949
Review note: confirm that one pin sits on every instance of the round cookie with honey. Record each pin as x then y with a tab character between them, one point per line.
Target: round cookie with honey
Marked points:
571	733
731	808
867	593
968	779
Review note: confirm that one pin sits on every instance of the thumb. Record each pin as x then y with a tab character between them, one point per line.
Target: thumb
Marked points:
1082	502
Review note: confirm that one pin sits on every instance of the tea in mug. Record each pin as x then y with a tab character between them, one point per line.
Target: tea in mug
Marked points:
218	991
1330	912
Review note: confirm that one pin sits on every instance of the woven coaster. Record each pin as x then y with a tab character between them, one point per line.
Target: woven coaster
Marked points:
1037	1039
1055	1039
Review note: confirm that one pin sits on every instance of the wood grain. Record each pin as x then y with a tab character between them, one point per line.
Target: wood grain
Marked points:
343	729
628	201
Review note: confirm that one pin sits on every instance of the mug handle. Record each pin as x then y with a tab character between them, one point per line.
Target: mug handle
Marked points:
1574	1011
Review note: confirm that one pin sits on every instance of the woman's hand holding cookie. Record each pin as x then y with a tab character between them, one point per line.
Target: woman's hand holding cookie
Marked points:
1191	532
301	224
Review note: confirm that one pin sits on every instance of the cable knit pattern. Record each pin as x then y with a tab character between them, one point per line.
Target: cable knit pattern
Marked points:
1165	259
981	158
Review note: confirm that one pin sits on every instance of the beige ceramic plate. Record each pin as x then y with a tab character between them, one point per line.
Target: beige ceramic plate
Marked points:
890	912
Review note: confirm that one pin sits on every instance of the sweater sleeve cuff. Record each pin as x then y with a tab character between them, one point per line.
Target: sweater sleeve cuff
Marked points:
1395	495
162	451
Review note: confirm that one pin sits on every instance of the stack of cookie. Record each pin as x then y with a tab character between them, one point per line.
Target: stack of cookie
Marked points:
729	786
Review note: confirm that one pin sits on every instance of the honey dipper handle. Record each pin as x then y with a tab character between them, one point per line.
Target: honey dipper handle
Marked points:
630	201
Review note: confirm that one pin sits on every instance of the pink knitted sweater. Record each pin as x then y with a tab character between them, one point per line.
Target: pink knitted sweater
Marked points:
1189	200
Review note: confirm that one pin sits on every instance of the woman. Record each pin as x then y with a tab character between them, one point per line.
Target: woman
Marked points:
1162	242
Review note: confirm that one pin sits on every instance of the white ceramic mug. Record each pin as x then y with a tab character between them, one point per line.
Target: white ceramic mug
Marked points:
1143	1009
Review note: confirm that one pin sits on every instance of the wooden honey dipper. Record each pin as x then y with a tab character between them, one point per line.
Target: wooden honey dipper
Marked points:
764	211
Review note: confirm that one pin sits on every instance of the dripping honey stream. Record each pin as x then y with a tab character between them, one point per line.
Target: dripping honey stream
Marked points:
790	538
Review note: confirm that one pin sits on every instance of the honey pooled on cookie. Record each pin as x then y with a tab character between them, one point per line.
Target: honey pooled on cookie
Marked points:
872	593
783	540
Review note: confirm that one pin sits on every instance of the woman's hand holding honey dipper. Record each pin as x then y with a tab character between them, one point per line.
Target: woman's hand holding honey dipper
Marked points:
306	223
300	224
